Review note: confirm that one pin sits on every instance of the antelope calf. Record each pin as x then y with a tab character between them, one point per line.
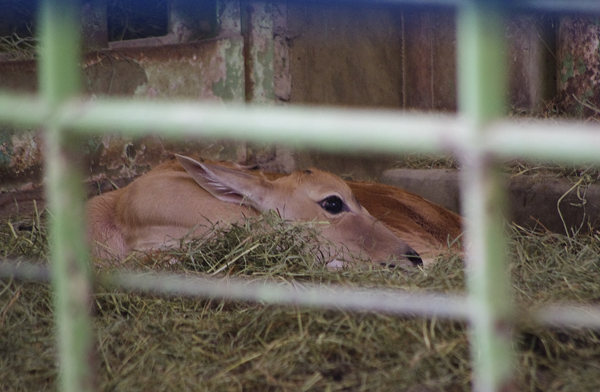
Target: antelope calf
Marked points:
186	196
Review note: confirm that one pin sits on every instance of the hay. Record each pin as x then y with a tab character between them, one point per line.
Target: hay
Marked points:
585	173
18	48
146	342
24	236
128	20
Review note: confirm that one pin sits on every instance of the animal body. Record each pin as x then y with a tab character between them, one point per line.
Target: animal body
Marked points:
185	196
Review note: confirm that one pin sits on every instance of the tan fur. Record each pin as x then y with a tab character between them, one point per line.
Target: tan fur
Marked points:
428	228
162	206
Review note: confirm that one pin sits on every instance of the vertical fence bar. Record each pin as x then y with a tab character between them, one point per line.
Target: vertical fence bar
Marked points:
71	275
482	95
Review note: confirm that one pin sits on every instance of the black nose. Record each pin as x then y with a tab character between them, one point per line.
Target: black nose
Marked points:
414	258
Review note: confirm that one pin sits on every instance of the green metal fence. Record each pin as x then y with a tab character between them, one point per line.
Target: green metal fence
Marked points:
478	133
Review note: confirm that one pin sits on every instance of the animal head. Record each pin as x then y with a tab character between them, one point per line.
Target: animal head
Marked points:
309	195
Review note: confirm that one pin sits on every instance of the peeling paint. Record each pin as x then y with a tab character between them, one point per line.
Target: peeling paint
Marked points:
20	158
567	69
282	78
192	20
26	151
5	144
578	64
260	49
231	87
94	28
532	64
210	72
229	18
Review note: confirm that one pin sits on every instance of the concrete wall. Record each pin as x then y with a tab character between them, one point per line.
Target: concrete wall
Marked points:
578	56
545	202
398	57
401	57
383	56
211	70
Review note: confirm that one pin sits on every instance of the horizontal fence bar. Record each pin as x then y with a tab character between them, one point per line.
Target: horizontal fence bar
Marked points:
23	110
310	295
567	141
516	5
423	3
24	270
338	129
571	315
331	296
327	129
553	5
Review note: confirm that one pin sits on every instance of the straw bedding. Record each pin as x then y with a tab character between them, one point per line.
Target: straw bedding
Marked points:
147	342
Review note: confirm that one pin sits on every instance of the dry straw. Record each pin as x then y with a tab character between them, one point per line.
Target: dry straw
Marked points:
148	342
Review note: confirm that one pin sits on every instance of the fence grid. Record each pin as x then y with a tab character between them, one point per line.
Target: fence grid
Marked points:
477	134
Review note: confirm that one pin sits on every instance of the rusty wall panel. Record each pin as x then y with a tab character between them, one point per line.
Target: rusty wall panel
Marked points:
383	56
531	60
347	56
429	61
258	34
405	57
342	55
444	60
579	65
94	26
282	80
267	75
208	70
18	76
400	57
192	20
365	56
418	60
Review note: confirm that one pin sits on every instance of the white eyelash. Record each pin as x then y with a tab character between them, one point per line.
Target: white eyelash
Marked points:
219	186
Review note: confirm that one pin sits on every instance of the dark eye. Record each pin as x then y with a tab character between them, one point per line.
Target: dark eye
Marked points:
333	204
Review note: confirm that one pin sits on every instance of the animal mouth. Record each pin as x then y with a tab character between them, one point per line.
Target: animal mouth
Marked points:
412	256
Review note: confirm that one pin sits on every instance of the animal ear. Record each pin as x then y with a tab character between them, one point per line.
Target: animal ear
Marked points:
226	184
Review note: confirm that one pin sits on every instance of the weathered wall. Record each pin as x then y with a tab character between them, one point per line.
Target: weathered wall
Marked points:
377	56
368	56
400	58
210	70
542	201
532	61
345	55
579	65
403	57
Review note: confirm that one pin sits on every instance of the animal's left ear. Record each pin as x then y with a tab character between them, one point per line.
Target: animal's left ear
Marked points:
226	184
